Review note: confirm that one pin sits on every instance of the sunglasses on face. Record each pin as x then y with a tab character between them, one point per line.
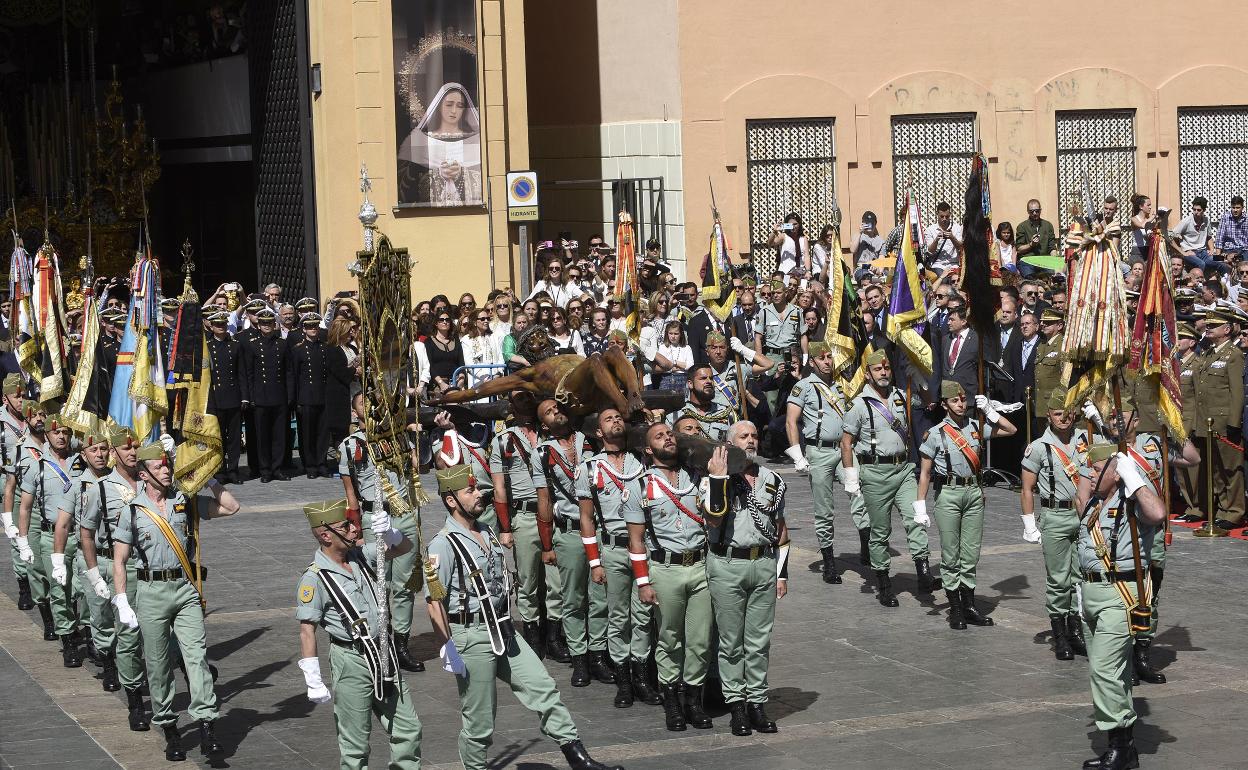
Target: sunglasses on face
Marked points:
1033	211
444	320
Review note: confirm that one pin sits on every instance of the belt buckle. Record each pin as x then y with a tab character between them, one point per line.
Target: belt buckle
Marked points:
359	627
687	559
755	551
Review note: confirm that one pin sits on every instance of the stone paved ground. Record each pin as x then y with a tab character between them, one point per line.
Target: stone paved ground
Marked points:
853	685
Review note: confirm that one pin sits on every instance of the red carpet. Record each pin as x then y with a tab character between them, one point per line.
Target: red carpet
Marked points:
1240	533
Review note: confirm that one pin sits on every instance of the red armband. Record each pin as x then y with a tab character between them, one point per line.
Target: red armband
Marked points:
591	551
546	534
641	567
353	516
504	515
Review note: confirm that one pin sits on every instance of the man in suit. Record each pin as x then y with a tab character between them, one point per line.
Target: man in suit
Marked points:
746	317
957	357
1003	346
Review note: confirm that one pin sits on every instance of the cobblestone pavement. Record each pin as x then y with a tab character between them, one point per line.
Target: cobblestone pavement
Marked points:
853	684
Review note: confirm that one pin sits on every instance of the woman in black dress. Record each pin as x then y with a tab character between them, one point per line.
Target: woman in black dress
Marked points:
445	353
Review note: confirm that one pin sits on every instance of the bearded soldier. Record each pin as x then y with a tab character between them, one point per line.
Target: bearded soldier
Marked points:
713	418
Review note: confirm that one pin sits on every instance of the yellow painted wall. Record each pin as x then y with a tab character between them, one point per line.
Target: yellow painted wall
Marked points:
353	122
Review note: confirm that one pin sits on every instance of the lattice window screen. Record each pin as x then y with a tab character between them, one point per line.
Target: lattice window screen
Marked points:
792	167
932	155
1101	143
1213	157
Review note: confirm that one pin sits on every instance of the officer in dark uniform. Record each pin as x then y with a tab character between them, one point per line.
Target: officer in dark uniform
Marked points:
243	335
169	322
264	388
225	398
305	385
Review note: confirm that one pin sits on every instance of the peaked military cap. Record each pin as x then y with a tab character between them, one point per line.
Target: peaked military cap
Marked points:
1186	330
1051	316
169	303
311	319
306	303
266	315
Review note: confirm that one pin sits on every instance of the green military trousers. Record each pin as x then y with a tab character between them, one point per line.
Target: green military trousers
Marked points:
165	608
825	465
106	632
1157	561
402	598
39	570
20	568
1108	635
885	486
743	594
584	603
1058	532
530	572
354	707
683	616
960	519
62	598
628	620
519	669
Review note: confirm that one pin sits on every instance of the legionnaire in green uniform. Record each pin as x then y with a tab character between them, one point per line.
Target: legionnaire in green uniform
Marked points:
608	485
713	419
875	455
360	480
479	644
1105	551
820	404
158	528
724	371
1048	363
46	480
1051	467
338	592
1219	380
99	511
747	571
776	332
667	547
512	462
12	435
559	528
954	448
33	445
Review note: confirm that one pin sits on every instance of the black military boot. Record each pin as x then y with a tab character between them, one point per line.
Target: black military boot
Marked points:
956	621
108	677
24	602
579	759
758	718
970	611
885	595
1143	666
209	746
740	723
924	573
599	668
640	670
830	575
49	631
673	714
404	658
623	686
694	714
173	744
580	671
864	546
1061	645
138	714
556	648
532	634
69	653
1074	635
1121	754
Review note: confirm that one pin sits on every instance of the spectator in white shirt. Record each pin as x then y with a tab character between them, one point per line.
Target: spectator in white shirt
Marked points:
673	358
556	285
943	239
1194	240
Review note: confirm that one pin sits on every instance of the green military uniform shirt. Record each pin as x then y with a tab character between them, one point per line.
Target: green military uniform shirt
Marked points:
1116	531
713	423
458	577
616	494
313	603
102	519
49	482
1219	376
756	511
1187	388
1048	370
870	428
947	458
149	543
513	456
12	436
781	329
671	526
727	394
1056	464
823	408
556	469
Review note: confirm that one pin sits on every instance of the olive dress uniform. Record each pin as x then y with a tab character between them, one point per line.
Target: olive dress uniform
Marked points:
264	387
823	408
1219	380
584	602
517	665
714	422
1188	477
1048	377
305	387
514	457
50	483
959	510
355	700
225	397
12	436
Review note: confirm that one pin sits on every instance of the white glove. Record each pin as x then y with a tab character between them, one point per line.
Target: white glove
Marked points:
125	615
97	582
1090	412
741	349
382	528
10	529
920	514
800	463
1030	533
1006	408
317	691
1130	472
451	662
59	573
166	441
852	487
984	405
23	550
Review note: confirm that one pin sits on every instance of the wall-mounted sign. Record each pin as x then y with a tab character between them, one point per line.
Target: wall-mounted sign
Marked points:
522	196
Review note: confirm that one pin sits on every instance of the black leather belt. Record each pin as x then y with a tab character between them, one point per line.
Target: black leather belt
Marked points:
523	506
680	558
823	444
1053	504
353	645
466	618
45	525
897	459
959	481
752	553
565	525
1112	577
157	575
105	552
619	541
